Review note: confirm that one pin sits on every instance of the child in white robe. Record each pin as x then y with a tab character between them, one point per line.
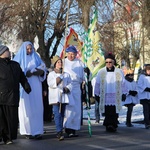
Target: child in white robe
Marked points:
132	97
59	84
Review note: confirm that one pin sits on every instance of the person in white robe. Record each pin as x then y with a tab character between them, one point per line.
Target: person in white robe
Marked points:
75	68
144	94
31	106
109	89
132	98
59	85
97	113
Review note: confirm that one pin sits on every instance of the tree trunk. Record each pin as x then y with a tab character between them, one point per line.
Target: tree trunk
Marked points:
85	8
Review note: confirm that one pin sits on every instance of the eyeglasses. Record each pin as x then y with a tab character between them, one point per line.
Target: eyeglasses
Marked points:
108	62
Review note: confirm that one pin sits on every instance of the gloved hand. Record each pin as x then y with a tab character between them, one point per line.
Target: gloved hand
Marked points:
123	97
97	98
133	93
59	79
87	70
27	88
147	89
61	76
39	72
65	90
28	74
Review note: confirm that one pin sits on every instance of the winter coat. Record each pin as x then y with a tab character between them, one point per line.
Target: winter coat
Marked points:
10	76
56	91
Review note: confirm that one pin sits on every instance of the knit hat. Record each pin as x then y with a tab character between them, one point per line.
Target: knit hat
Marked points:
55	59
3	49
110	56
71	49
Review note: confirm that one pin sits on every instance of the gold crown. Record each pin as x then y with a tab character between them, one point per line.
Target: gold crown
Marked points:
55	59
130	71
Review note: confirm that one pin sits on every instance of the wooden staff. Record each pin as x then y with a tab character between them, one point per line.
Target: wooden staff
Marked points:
67	16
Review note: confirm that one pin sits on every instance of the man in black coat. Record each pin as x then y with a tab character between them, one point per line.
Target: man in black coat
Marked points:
10	76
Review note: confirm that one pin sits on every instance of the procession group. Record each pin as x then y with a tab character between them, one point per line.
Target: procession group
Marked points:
21	93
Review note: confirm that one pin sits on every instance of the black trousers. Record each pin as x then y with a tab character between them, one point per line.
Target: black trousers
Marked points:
129	113
47	114
111	117
8	122
146	110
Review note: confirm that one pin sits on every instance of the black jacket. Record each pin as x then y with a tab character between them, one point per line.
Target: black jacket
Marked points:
11	75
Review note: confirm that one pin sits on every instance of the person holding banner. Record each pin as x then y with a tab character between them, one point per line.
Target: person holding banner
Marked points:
110	89
59	84
75	68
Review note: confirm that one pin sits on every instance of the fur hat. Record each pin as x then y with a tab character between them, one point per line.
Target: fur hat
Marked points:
110	56
71	49
3	48
55	59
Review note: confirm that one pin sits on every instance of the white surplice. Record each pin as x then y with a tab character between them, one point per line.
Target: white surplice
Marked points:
72	118
131	99
143	82
110	86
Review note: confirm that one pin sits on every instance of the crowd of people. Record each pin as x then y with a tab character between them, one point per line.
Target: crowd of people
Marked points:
30	93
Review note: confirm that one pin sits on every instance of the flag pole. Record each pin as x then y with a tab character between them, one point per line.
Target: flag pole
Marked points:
88	103
86	88
88	52
67	16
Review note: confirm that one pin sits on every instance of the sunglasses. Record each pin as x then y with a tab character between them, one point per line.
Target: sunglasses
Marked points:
108	62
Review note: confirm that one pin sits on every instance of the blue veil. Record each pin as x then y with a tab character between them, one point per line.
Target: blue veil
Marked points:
21	55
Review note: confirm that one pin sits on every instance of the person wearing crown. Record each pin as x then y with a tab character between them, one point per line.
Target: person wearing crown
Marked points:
132	97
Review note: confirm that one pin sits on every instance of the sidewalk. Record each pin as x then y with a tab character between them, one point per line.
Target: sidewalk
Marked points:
134	138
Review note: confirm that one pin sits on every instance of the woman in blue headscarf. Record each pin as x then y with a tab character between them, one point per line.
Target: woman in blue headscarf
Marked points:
31	106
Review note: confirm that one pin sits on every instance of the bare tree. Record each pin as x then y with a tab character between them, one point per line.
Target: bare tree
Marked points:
85	7
105	25
146	16
128	29
27	18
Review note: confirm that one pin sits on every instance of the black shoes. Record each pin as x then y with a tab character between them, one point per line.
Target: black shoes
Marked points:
60	136
72	135
147	126
37	137
8	142
129	125
29	137
111	128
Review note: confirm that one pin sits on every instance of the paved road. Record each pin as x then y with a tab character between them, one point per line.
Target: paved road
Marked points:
134	138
